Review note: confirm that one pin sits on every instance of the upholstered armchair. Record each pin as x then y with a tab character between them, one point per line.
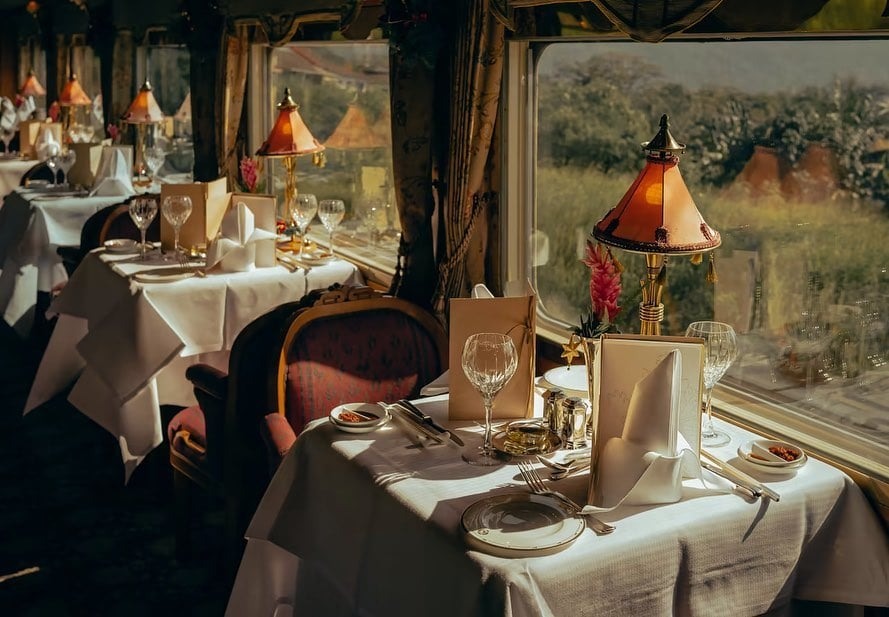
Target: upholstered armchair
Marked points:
351	346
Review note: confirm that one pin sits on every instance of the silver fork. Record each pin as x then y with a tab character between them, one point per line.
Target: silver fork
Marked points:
535	483
185	264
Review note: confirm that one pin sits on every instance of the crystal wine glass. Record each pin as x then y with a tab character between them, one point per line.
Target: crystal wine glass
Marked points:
489	361
720	352
66	162
52	162
331	213
154	160
302	210
176	209
6	135
143	211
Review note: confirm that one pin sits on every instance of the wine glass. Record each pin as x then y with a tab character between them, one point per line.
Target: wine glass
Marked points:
302	210
489	361
176	209
66	162
52	163
6	135
720	351
143	211
331	213
154	160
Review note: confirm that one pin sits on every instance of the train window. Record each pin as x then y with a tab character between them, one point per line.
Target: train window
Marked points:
168	69
342	89
787	153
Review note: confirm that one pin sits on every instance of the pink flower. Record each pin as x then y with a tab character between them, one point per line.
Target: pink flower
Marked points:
604	283
113	132
249	174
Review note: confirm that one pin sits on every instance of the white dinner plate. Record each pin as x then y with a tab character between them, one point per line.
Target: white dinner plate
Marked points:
163	275
121	245
777	467
377	417
574	378
520	525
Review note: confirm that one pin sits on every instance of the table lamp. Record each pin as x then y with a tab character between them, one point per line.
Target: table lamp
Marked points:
657	217
288	139
32	86
71	97
142	112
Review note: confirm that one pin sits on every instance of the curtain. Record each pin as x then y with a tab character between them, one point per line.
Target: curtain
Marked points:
122	79
468	198
236	48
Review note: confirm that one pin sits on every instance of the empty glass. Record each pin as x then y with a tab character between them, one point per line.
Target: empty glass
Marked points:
154	160
176	209
331	213
66	162
489	361
52	163
302	210
143	211
6	136
720	352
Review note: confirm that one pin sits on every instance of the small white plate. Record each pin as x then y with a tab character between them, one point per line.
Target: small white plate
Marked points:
574	378
121	245
520	525
340	413
503	445
746	455
314	259
162	276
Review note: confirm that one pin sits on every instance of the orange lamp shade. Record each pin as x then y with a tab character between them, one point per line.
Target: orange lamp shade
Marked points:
144	108
73	94
290	136
658	214
355	133
31	86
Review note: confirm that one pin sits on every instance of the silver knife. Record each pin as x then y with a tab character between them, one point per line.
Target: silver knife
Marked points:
409	419
427	419
739	477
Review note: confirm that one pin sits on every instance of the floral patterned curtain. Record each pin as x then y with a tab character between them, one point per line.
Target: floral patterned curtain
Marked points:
236	53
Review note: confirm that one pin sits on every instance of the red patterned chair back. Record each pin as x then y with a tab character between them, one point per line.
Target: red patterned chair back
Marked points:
355	345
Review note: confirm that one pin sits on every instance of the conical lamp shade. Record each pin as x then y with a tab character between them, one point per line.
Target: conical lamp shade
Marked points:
32	87
290	136
658	214
355	133
144	108
73	94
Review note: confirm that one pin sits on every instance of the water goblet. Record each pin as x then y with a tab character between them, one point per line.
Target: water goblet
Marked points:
302	210
720	352
489	361
142	211
154	160
66	162
176	209
331	213
6	135
87	133
52	163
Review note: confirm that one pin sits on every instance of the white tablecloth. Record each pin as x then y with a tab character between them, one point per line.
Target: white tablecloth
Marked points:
32	225
126	345
364	525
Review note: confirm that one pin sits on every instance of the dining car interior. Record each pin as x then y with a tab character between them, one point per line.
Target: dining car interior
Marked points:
444	307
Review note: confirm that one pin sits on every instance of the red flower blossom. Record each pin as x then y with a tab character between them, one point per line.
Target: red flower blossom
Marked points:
604	283
249	174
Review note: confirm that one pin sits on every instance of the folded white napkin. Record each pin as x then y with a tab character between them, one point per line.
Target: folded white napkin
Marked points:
114	177
46	144
644	464
26	109
98	113
8	118
234	249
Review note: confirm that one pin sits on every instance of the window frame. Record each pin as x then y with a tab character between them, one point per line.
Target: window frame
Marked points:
731	403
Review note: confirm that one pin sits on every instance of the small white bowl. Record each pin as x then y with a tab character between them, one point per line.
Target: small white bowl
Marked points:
376	417
745	452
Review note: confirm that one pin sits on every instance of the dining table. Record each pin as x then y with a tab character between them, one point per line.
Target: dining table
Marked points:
12	168
374	524
128	328
34	222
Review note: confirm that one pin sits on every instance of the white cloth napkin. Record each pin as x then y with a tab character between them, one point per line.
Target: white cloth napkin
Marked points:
234	249
46	144
26	109
8	118
114	177
644	464
98	113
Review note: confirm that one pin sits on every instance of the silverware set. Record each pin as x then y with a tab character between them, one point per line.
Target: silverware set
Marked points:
538	487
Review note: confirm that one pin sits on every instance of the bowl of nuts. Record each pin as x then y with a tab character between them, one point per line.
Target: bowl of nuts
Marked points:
772	455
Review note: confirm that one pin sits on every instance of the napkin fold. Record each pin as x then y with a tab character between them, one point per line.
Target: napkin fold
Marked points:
46	145
9	120
234	248
26	109
113	177
644	464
